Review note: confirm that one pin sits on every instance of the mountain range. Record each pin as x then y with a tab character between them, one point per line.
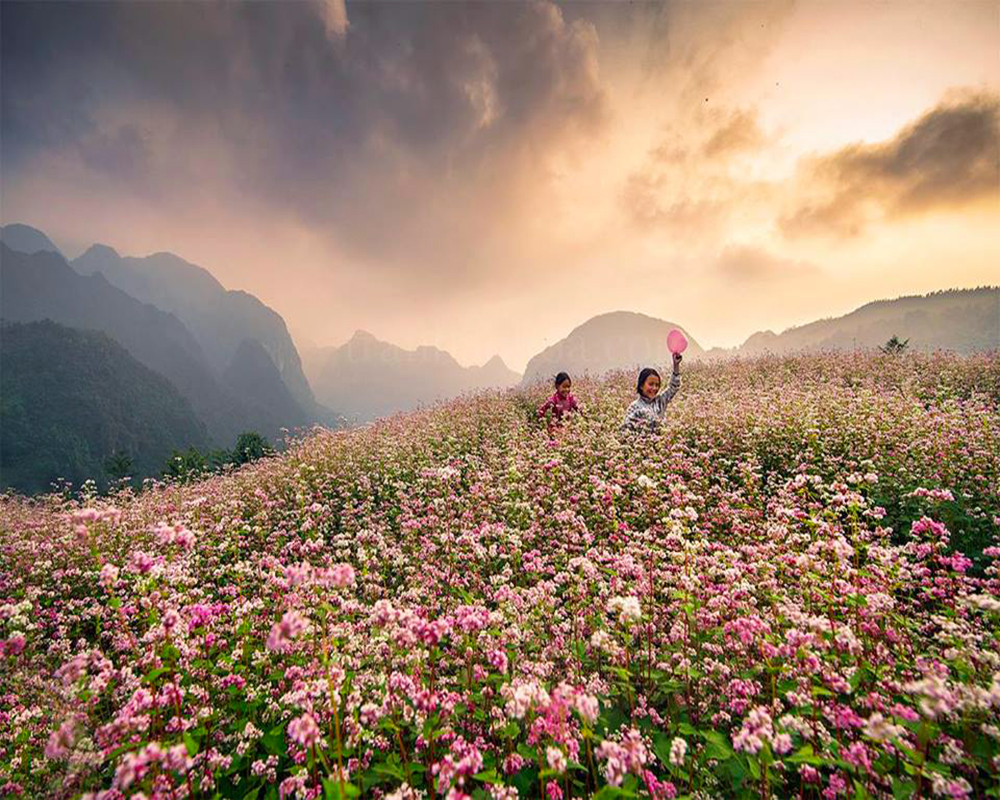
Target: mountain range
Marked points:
220	320
368	378
43	286
963	320
231	365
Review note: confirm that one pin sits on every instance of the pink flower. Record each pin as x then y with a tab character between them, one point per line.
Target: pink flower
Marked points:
109	575
553	791
304	731
13	646
61	741
292	625
342	576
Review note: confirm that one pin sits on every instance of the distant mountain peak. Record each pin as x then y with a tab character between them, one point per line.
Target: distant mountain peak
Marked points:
495	362
26	239
606	342
95	257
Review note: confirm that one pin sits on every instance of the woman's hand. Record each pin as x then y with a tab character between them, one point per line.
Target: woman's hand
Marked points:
677	362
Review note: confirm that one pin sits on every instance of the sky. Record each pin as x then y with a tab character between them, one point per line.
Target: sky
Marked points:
486	176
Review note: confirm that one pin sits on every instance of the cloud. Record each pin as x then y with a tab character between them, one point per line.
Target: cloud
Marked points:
948	158
738	132
692	183
745	264
411	134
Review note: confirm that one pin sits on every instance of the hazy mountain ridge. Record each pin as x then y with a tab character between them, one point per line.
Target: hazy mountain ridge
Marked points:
43	286
366	377
963	320
92	400
220	319
253	377
616	340
25	239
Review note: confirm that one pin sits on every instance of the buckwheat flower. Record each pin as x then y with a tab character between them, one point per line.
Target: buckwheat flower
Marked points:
502	792
678	749
627	608
109	575
553	791
292	625
304	731
646	482
556	759
836	787
880	729
171	619
404	792
587	706
984	602
13	646
957	788
61	741
142	563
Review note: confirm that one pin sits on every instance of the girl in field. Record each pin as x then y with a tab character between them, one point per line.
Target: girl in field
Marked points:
646	411
561	402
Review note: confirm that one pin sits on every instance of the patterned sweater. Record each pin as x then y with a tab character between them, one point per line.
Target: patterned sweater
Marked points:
559	406
644	415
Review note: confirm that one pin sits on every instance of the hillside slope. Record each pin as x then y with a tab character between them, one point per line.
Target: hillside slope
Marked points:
72	398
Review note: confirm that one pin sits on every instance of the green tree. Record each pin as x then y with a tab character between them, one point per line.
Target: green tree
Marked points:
118	466
895	345
186	465
249	447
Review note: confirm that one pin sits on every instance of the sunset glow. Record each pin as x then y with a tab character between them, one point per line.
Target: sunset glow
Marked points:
432	172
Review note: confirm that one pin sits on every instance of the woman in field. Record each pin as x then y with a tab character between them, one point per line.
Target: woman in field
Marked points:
648	408
561	402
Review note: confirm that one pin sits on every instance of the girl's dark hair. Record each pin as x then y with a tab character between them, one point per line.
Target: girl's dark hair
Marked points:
562	376
646	372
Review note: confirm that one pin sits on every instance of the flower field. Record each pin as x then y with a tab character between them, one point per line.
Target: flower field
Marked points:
793	591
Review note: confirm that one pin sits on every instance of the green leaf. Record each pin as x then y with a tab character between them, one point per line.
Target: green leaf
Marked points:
152	675
902	789
488	776
805	755
274	740
717	745
611	792
191	744
331	790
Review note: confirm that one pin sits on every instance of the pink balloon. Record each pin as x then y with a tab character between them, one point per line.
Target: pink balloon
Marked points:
676	341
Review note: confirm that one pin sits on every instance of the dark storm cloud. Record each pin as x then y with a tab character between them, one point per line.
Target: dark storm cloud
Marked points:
947	158
418	123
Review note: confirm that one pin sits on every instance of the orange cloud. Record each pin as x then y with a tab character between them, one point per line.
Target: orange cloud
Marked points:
948	158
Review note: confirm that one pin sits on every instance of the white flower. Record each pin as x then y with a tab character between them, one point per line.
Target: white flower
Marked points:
678	749
628	608
556	759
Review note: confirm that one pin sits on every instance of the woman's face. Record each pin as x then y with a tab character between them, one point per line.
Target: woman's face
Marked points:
651	387
564	387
